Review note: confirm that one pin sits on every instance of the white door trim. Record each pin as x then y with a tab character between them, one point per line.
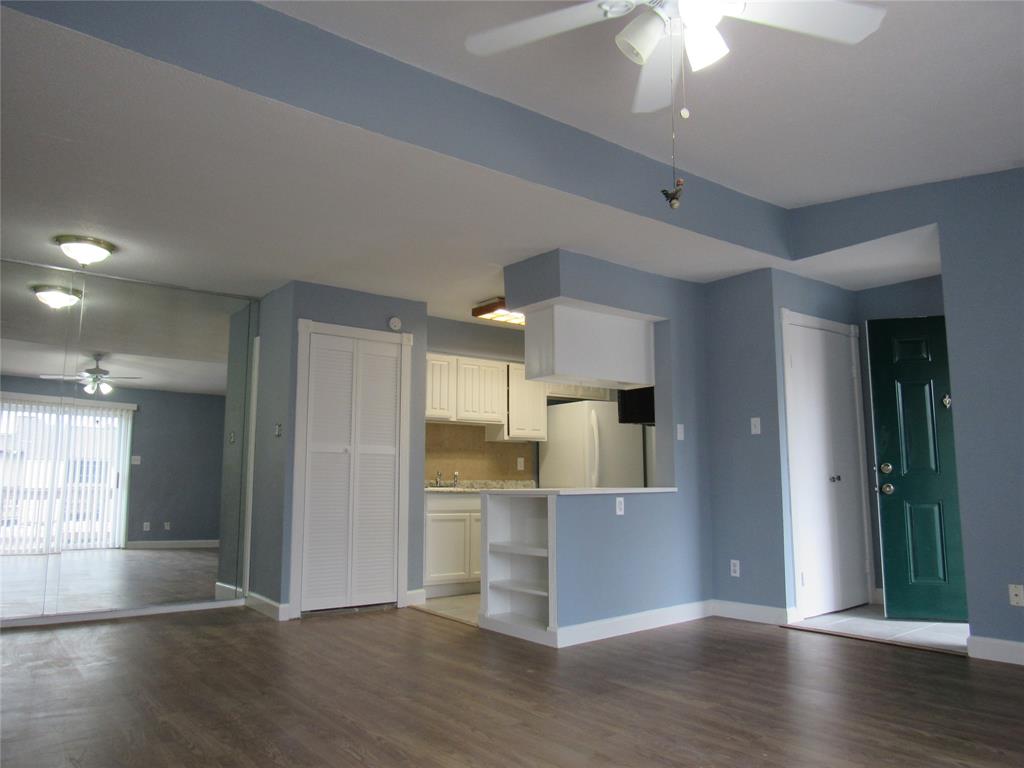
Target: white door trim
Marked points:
306	328
790	318
250	461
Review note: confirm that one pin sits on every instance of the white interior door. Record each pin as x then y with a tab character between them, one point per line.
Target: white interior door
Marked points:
350	528
327	532
826	501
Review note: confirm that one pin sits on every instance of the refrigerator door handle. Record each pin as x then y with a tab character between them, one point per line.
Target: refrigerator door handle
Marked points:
596	457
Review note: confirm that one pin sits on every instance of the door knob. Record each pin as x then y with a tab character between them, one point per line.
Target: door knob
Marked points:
886	468
888	489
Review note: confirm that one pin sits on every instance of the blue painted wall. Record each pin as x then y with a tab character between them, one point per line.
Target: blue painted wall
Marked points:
981	231
178	436
474	340
659	553
280	312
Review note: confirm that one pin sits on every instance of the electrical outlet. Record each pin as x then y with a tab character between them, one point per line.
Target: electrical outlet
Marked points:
136	460
734	568
167	526
680	432
620	505
755	425
145	526
520	463
1017	595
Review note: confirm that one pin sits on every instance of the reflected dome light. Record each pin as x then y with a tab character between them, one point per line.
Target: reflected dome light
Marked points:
83	249
56	297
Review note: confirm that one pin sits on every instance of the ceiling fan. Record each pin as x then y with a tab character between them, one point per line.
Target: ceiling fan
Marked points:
642	40
91	379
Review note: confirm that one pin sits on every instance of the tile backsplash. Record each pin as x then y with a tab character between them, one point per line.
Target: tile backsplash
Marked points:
462	448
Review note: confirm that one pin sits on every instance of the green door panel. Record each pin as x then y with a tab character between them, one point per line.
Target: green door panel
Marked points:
922	555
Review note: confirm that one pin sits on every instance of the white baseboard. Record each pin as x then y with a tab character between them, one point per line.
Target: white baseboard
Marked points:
222	591
173	544
633	622
121	613
415	597
995	649
878	597
763	614
451	590
266	606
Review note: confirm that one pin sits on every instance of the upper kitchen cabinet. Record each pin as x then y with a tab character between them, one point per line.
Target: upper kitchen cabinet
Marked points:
527	405
441	386
482	391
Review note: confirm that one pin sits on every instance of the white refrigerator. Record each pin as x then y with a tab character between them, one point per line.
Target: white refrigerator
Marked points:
588	448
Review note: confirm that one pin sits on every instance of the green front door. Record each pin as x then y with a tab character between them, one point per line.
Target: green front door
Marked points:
922	556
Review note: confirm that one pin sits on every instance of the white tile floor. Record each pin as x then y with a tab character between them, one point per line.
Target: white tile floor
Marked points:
462	608
869	622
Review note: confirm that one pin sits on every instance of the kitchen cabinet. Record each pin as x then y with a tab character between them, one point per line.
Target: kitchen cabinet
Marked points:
482	391
452	538
441	386
527	406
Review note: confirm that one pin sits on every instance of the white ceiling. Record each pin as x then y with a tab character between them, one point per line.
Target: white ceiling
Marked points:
934	94
208	186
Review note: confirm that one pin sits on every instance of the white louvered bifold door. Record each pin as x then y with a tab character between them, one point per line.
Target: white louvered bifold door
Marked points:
326	527
374	566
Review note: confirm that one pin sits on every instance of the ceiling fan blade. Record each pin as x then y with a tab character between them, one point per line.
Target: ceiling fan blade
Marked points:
59	377
536	28
653	89
838	21
120	378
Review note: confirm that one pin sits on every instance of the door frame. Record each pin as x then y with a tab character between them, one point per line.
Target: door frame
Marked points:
250	461
790	319
306	328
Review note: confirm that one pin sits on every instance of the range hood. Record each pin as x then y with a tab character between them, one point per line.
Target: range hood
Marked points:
571	342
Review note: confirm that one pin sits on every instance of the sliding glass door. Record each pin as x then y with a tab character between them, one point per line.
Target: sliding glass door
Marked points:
64	468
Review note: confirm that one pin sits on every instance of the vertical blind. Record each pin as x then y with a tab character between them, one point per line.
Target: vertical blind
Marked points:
63	465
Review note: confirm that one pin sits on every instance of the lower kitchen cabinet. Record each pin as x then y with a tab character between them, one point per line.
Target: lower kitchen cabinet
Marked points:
452	533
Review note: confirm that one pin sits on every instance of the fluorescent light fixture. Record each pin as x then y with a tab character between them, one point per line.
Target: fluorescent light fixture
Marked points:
105	389
84	249
494	309
56	297
704	46
641	36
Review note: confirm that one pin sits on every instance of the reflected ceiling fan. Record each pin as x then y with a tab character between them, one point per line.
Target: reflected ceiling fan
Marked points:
695	22
91	379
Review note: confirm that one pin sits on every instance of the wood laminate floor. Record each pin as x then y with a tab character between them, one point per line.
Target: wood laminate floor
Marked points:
404	688
104	579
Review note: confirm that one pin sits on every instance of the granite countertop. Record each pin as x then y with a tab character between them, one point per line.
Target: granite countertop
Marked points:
482	486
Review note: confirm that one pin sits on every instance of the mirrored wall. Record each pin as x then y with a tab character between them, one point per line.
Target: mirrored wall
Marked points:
123	443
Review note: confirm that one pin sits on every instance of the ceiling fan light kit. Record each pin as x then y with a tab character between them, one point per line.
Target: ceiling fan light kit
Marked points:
641	36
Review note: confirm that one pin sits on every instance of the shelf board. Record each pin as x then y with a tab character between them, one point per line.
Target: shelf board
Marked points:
518	548
538	588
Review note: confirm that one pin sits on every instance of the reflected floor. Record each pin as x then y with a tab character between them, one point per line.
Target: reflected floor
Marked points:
104	579
464	608
868	622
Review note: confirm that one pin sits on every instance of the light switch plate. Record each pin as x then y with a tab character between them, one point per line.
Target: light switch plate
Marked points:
1017	595
734	568
136	460
620	505
520	463
167	526
145	526
755	425
680	432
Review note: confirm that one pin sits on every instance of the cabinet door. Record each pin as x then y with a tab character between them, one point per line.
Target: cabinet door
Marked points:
447	547
441	388
482	395
527	405
474	546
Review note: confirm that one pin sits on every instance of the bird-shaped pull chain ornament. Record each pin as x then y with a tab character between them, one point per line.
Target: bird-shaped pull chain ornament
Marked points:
674	196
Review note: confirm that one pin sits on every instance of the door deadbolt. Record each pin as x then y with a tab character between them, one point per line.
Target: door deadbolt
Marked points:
888	489
886	468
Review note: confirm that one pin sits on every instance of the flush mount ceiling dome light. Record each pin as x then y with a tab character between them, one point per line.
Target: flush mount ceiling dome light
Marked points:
84	249
494	309
56	297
